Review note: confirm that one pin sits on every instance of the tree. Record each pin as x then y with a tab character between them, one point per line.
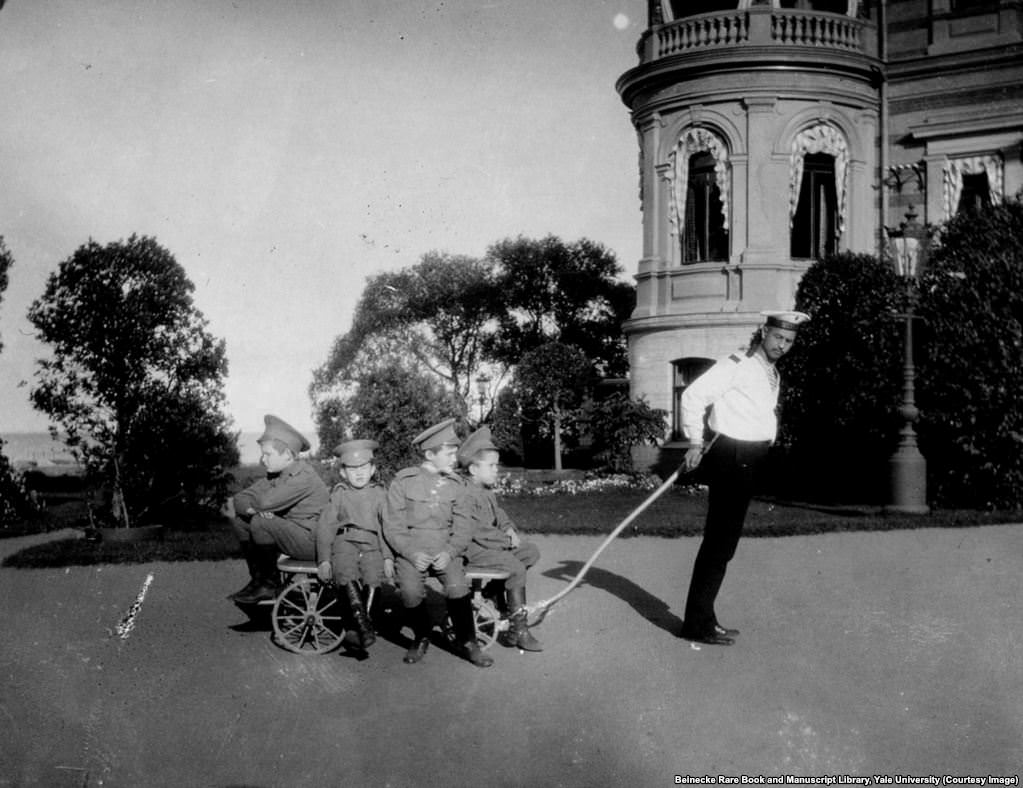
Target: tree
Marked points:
13	501
135	379
616	424
842	380
971	360
390	404
439	313
550	382
554	291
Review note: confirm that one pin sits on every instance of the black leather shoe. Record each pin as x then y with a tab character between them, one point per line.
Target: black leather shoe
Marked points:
710	638
725	631
262	592
416	652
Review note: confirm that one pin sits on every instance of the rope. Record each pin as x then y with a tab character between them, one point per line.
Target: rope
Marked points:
539	609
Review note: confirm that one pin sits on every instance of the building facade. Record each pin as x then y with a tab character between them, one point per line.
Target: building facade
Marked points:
773	133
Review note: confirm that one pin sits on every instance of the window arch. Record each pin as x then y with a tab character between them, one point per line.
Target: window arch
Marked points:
700	172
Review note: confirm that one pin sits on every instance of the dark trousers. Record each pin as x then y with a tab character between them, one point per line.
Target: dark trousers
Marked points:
731	466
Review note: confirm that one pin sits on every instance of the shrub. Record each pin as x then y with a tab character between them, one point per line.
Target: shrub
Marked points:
971	367
616	424
16	503
842	380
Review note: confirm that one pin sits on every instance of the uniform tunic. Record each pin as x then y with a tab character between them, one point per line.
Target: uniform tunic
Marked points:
491	546
418	519
350	534
742	392
295	497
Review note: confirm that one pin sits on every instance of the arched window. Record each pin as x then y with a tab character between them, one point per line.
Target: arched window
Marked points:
699	209
704	236
970	183
817	191
814	225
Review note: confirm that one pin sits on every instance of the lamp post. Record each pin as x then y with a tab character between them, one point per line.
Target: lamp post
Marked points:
482	384
908	468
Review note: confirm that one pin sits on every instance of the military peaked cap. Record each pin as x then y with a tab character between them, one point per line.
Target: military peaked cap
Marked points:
356	452
280	430
436	436
474	444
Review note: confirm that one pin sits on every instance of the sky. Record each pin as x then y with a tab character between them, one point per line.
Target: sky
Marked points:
284	152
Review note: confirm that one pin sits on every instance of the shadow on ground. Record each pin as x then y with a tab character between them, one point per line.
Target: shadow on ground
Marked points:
652	608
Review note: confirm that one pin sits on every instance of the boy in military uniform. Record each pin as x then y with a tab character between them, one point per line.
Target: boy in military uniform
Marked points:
419	527
349	543
278	513
495	542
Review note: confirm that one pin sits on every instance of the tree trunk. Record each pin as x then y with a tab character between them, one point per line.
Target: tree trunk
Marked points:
557	439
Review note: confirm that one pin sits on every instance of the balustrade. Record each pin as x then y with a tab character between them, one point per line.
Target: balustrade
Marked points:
759	27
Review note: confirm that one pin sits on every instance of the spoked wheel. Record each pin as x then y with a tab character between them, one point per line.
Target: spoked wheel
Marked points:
488	622
307	618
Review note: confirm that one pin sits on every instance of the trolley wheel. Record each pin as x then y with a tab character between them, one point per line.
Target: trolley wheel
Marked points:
489	623
307	617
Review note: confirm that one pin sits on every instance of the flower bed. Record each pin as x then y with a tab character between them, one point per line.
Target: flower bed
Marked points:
517	485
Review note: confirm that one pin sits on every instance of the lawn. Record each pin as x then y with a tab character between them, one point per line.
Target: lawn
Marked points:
678	512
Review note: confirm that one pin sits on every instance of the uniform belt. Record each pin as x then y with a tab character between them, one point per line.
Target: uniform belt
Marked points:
722	436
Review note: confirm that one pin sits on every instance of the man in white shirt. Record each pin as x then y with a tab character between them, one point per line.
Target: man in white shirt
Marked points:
742	393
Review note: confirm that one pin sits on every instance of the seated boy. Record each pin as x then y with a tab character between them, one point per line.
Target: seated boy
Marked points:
495	542
278	513
419	528
349	545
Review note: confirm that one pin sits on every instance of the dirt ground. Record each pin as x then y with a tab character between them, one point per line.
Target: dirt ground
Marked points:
861	654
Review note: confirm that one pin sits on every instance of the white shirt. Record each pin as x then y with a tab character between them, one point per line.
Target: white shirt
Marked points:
743	395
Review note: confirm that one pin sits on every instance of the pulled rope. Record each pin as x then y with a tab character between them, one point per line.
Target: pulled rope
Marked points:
539	609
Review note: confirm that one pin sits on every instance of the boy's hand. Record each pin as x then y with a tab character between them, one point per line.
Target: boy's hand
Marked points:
323	571
266	515
441	561
513	537
389	568
421	561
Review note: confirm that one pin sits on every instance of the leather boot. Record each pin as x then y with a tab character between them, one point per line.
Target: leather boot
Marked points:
460	611
250	562
367	637
264	562
519	635
419	620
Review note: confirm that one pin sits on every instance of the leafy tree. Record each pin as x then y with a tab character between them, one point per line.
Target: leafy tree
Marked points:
971	360
552	291
390	404
13	501
616	424
135	380
842	380
439	313
507	427
550	382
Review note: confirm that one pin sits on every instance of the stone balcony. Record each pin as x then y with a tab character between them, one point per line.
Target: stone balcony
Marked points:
758	27
751	38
